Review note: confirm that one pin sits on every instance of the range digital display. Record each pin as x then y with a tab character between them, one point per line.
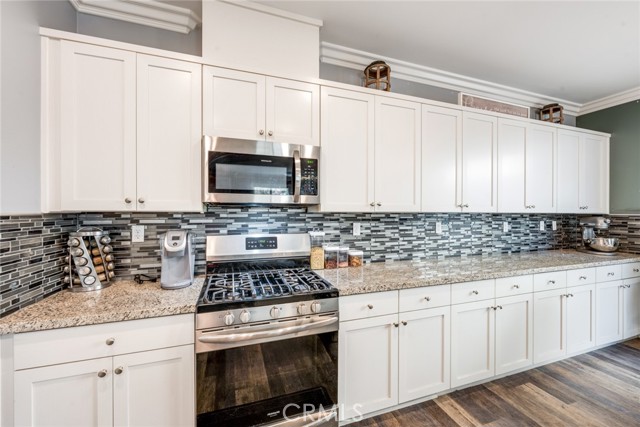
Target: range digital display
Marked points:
261	243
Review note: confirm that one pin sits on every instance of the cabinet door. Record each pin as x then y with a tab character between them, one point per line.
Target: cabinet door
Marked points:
154	388
514	332
424	353
70	394
97	128
441	145
581	318
512	141
609	312
549	325
368	365
169	133
540	169
397	155
594	174
568	196
479	163
631	315
233	104
346	163
292	112
472	342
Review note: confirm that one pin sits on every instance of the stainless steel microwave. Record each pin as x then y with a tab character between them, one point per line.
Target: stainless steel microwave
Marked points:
239	171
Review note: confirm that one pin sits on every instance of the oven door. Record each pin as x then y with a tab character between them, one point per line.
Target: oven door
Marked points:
264	381
250	172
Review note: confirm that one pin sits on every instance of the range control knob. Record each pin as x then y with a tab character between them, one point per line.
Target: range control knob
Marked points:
275	312
245	316
315	307
302	308
229	318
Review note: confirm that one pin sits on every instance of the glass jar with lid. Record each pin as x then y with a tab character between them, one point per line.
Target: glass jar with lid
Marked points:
356	258
317	250
330	257
343	256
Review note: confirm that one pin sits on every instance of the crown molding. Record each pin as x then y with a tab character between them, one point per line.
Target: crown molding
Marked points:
632	94
144	12
275	12
356	59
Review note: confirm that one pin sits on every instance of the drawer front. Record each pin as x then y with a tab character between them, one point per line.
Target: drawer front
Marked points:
368	305
508	286
581	276
608	273
631	270
427	297
549	281
473	291
64	345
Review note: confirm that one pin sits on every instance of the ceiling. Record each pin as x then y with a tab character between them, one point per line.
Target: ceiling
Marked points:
578	51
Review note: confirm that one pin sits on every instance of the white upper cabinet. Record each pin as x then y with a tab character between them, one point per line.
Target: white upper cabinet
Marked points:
397	155
441	145
169	127
583	172
347	157
526	154
479	163
244	105
97	128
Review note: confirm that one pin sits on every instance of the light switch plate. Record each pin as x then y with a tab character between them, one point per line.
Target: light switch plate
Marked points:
356	228
541	225
137	233
554	225
438	227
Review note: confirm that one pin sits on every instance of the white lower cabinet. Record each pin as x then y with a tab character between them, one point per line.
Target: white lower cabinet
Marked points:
514	333
631	309
549	325
581	318
609	312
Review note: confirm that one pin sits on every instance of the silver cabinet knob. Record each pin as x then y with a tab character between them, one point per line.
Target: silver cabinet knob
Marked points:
475	292
551	282
102	373
372	204
427	299
140	200
110	341
569	295
516	286
611	273
270	133
494	308
118	370
378	204
370	306
127	200
582	278
404	323
500	307
636	270
396	324
261	131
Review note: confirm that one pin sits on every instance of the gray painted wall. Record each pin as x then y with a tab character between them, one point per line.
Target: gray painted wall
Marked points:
20	81
354	77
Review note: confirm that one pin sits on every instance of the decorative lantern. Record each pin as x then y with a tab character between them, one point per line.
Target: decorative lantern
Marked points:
378	73
552	113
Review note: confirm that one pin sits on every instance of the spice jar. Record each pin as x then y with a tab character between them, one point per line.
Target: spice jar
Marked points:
330	257
343	256
355	258
317	250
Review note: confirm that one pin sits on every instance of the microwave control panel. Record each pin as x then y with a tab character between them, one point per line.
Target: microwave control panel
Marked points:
309	183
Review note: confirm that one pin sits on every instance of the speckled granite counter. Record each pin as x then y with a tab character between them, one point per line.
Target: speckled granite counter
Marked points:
124	300
378	277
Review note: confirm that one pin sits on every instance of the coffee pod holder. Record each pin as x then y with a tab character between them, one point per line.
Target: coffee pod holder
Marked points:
90	264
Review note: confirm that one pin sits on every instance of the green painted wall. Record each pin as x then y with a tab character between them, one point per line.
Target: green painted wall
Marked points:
623	123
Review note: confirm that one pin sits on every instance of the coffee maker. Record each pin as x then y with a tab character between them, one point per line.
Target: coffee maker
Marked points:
178	258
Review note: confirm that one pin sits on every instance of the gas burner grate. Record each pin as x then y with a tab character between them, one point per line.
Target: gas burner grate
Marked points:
256	283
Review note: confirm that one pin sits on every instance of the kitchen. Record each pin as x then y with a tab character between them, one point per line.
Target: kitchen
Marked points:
421	196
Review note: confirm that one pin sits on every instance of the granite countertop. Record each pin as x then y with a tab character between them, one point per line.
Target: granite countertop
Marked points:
124	300
379	277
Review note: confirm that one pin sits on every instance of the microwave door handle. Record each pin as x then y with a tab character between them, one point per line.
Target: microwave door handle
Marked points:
298	176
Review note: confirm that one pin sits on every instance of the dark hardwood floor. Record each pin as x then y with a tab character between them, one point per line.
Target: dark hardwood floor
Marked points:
601	388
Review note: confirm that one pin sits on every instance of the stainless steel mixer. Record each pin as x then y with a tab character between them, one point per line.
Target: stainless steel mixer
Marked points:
600	245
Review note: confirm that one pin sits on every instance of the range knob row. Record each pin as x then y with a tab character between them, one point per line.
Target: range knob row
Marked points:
229	318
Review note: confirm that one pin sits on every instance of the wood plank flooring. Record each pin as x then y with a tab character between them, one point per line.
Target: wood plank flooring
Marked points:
600	389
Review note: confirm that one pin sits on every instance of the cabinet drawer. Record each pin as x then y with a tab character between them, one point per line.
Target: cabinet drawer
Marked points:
631	270
608	273
581	276
88	342
473	291
427	297
514	285
368	305
549	281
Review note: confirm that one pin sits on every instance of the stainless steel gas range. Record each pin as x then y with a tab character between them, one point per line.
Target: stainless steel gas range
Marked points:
266	335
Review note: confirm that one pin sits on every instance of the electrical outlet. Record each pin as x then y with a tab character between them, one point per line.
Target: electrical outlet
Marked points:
356	228
554	225
541	225
505	227
137	233
438	227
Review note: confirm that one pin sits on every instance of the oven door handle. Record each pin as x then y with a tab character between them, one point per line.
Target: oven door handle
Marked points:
215	338
298	176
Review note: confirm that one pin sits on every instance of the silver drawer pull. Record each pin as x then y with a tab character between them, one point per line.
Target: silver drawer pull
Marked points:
551	282
582	278
370	306
636	270
427	299
516	286
611	273
475	292
110	341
